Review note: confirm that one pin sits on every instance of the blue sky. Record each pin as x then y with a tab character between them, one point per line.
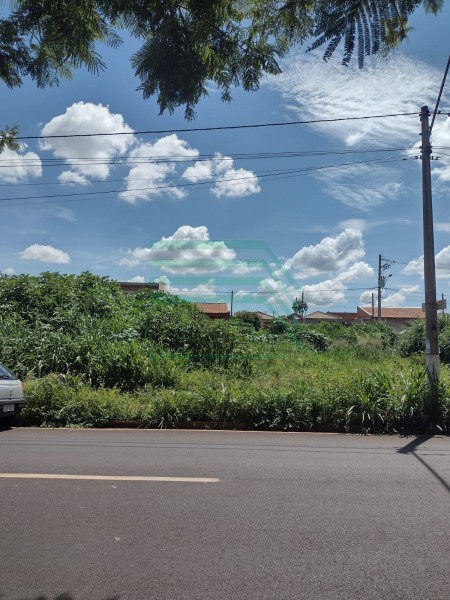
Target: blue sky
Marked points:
267	213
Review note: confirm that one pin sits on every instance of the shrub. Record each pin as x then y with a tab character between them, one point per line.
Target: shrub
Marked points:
252	318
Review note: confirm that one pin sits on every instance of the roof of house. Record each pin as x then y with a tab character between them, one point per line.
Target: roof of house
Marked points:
391	313
213	308
318	314
137	286
345	316
264	316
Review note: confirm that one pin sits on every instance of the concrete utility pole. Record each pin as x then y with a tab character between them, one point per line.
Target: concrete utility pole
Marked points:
431	322
379	287
382	279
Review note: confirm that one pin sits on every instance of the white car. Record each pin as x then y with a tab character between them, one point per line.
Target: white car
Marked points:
11	397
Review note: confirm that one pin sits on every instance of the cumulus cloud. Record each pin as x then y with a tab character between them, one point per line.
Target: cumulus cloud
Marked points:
87	157
137	279
45	254
399	297
277	293
442	262
324	293
358	270
230	182
8	271
152	164
245	268
332	291
199	292
188	250
331	254
19	166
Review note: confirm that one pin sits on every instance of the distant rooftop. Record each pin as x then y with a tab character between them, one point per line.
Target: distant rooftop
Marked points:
391	313
128	287
215	310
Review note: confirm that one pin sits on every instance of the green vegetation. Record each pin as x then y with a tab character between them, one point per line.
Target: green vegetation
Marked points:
90	356
184	46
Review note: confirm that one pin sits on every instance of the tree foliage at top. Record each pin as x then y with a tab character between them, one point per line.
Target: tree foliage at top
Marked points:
187	44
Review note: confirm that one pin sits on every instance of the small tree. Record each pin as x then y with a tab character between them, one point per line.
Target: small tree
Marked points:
252	318
299	307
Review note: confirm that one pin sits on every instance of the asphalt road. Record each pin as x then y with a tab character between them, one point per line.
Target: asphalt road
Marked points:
265	516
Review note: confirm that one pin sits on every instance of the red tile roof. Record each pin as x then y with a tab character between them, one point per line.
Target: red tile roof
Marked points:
391	313
213	308
345	316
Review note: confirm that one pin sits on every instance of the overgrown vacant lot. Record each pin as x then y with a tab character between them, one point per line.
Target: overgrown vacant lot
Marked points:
89	355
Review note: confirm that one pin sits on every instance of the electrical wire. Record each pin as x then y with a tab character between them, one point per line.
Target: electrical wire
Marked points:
272	175
218	128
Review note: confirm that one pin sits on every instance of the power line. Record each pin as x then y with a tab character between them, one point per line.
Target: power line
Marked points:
218	128
266	176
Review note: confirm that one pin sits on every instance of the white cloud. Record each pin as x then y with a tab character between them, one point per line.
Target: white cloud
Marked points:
152	163
362	186
332	291
314	88
8	271
324	293
200	291
188	250
358	270
442	227
441	138
318	90
366	297
276	293
230	182
137	279
87	157
65	214
19	166
398	298
331	254
45	254
442	262
245	268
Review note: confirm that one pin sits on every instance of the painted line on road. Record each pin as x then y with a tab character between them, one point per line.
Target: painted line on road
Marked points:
109	477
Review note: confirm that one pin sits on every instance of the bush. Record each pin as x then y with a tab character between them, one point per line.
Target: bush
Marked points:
252	318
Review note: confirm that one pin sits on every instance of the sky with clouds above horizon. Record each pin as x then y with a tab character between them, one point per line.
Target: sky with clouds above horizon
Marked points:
267	213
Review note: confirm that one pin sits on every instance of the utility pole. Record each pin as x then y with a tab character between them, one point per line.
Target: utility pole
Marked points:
231	307
431	322
303	307
379	287
382	266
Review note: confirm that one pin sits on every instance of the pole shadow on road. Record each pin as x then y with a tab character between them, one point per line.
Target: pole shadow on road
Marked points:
410	448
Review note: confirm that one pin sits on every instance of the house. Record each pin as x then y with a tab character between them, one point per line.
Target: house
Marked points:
321	317
398	318
266	319
130	287
214	310
347	318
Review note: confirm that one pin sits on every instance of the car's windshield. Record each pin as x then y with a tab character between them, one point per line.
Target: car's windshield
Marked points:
5	374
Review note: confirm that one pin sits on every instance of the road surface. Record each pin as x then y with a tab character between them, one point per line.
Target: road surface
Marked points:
199	515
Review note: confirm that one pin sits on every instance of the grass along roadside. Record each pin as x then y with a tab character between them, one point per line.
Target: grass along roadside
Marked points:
336	391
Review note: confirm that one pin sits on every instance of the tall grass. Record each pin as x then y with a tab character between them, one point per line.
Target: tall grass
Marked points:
90	355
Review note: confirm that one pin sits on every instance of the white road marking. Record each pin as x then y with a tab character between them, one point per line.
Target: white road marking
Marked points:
109	477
